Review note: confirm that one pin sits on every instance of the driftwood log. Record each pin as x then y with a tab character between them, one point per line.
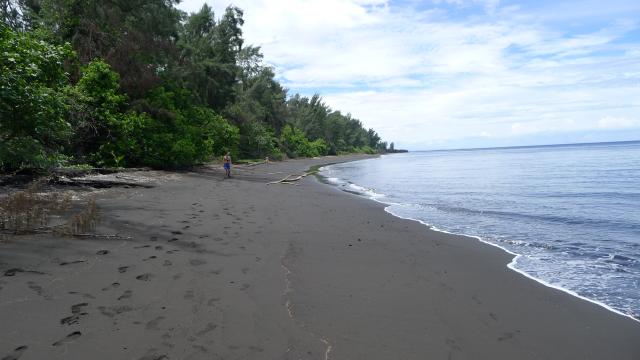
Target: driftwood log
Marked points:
292	178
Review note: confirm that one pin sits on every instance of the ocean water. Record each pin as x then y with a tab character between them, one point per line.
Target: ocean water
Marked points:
570	212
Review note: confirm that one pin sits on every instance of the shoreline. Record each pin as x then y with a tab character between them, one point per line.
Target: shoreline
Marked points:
513	262
235	268
510	265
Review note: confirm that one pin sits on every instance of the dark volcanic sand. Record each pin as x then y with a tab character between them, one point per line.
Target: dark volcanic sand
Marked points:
237	269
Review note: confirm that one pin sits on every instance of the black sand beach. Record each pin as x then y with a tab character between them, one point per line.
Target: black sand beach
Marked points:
237	269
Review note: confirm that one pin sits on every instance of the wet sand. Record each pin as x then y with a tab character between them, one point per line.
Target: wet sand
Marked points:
237	269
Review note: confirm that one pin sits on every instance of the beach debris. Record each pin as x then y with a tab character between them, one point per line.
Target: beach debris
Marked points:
291	179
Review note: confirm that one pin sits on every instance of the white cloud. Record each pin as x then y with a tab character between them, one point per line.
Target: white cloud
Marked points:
611	122
422	76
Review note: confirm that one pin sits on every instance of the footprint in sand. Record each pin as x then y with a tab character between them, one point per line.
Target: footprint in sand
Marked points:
126	295
123	269
38	289
16	353
159	247
176	232
69	338
154	357
212	301
77	312
73	319
200	348
102	252
167	263
72	262
508	335
112	286
142	246
150	258
209	328
114	310
144	277
77	308
84	295
153	324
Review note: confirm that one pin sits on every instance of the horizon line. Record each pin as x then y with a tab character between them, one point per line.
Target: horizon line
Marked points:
528	146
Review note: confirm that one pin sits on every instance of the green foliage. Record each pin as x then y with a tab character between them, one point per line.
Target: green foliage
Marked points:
135	37
147	85
341	133
257	140
32	101
23	152
295	144
209	50
167	135
95	108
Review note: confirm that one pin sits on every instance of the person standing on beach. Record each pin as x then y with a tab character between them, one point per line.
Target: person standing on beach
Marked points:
227	164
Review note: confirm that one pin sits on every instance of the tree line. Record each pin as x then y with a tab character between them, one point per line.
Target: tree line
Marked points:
140	83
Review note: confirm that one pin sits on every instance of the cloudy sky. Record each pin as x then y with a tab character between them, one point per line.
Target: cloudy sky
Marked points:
459	73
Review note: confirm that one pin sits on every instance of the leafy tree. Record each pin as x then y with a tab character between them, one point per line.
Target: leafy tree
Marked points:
166	131
266	97
33	127
257	141
341	133
295	144
96	106
14	14
209	51
136	37
148	85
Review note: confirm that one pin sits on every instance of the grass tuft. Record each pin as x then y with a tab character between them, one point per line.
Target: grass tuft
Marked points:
31	210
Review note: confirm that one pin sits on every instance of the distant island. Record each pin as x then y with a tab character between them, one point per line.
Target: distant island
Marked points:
393	150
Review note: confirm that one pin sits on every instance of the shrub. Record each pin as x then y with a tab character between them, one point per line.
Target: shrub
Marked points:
23	152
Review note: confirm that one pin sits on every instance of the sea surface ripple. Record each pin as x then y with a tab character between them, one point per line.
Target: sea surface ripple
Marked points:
572	212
